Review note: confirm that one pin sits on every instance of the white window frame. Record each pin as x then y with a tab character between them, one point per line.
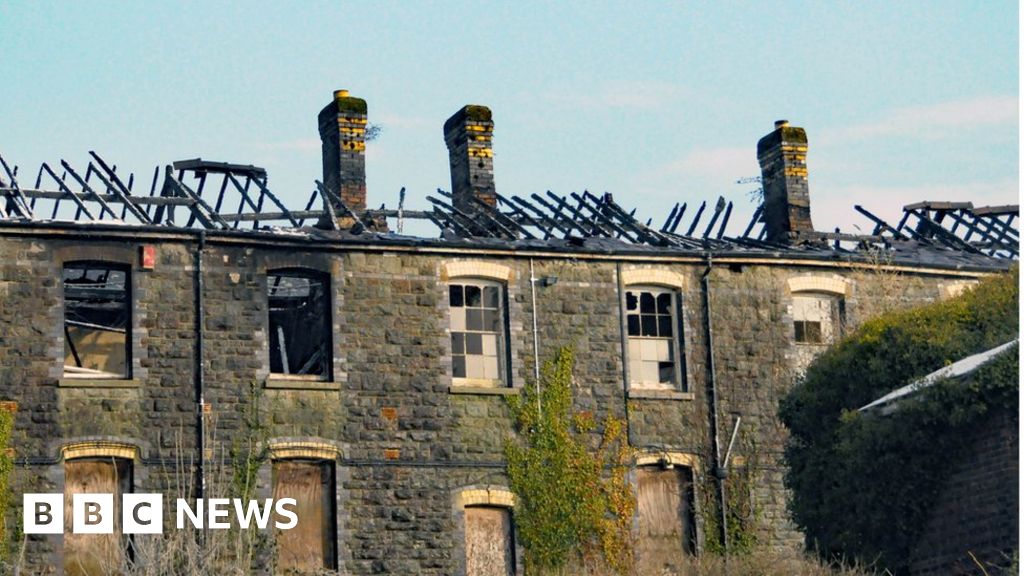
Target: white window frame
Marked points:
460	326
831	330
676	340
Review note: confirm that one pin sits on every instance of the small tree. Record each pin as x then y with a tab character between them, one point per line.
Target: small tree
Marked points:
575	502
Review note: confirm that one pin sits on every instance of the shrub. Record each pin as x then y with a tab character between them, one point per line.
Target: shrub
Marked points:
574	500
863	485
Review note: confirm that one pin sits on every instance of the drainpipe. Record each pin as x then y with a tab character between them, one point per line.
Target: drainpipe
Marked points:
718	470
624	340
536	346
200	319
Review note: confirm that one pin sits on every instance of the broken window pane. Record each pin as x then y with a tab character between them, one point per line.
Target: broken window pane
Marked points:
309	547
630	301
299	323
653	358
95	554
489	542
478	332
97	320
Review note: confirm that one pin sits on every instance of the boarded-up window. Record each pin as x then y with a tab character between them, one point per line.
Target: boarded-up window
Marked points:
489	542
299	323
665	509
97	320
309	547
95	554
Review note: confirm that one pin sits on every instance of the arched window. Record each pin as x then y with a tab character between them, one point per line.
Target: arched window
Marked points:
477	314
654	338
818	308
299	324
97	320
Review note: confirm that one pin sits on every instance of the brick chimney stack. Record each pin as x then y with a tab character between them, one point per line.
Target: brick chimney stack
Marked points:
343	140
782	155
468	134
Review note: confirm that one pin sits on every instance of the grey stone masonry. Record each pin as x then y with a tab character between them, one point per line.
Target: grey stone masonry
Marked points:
404	441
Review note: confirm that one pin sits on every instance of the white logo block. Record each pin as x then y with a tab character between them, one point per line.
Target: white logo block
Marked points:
43	513
142	514
92	513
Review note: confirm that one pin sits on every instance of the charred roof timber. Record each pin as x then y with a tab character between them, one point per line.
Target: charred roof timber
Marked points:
235	197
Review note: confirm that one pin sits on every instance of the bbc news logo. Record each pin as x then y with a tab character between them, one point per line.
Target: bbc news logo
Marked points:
144	513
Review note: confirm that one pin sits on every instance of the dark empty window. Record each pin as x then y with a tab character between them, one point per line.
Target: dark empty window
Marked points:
309	547
651	326
299	323
477	329
97	320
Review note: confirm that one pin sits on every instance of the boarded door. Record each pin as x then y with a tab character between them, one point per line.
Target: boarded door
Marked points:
309	546
489	543
664	506
94	554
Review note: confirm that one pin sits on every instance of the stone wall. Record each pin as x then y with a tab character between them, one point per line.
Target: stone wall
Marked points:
405	442
978	506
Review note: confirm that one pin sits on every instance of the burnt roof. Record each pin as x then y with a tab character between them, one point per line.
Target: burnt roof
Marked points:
235	199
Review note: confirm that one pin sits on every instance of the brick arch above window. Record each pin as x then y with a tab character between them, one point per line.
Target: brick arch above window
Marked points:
485	496
476	269
835	285
300	449
675	458
653	277
100	449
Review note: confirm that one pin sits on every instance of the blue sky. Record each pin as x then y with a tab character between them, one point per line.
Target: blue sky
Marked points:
656	102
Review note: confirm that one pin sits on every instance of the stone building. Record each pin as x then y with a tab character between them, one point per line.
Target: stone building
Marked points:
975	521
142	335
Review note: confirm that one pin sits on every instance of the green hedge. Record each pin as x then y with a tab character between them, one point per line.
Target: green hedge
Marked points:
863	484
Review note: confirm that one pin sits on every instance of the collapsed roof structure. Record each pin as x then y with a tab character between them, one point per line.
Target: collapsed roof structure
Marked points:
225	197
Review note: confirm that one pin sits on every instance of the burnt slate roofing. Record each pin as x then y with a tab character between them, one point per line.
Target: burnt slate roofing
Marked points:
235	199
